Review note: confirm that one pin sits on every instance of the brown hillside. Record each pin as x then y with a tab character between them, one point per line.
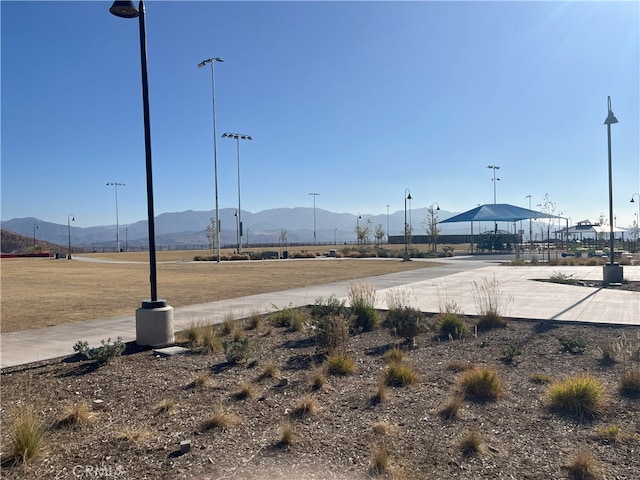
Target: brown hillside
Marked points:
11	242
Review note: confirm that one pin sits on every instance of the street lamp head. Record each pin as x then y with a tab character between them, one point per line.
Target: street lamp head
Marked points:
209	60
409	197
611	119
124	9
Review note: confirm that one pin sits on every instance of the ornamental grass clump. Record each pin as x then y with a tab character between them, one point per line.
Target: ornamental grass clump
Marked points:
362	300
629	385
26	436
584	467
580	395
340	364
481	383
491	303
400	374
451	325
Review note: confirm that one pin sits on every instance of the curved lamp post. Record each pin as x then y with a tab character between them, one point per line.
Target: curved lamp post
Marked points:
638	214
237	137
407	196
154	320
70	218
612	272
212	61
494	167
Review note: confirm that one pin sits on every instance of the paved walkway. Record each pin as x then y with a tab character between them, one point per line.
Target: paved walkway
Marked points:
521	296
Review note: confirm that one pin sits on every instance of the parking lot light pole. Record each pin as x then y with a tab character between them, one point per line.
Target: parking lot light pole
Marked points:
115	186
212	61
237	137
154	319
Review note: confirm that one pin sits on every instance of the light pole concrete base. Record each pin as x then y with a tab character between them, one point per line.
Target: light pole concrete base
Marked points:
612	273
406	257
154	326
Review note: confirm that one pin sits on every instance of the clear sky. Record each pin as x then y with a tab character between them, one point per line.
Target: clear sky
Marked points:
356	101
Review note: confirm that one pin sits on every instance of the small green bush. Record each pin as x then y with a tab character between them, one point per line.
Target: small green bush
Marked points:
572	345
481	383
102	354
333	333
289	317
241	351
450	325
510	353
331	307
580	395
407	322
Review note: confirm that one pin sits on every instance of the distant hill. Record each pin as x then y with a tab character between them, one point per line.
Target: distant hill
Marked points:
11	242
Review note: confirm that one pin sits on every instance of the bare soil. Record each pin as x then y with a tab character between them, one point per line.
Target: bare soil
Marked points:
521	437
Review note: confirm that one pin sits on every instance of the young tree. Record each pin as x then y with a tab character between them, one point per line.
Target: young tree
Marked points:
283	240
379	234
430	224
211	233
548	207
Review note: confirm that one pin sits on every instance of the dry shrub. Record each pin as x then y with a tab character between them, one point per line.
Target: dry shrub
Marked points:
380	459
270	370
459	366
471	444
318	379
167	405
246	390
287	435
584	467
201	379
221	419
381	392
630	383
385	429
451	409
134	434
491	303
80	412
540	378
306	406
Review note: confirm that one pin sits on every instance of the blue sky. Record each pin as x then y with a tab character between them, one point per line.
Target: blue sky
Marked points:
356	101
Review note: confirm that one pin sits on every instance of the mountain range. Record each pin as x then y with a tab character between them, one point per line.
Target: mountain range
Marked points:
189	227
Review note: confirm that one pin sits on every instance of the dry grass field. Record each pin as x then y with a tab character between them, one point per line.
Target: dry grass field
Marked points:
40	292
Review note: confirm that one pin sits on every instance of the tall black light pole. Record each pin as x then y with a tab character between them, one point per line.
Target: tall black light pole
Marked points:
115	186
70	218
612	272
637	215
35	226
212	61
154	320
315	240
407	196
237	137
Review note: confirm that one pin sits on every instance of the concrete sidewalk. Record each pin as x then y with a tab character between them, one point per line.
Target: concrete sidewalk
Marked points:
521	295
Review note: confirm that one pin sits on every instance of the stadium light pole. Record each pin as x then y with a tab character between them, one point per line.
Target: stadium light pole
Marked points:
154	319
35	226
314	195
115	186
212	61
237	137
612	272
407	196
70	218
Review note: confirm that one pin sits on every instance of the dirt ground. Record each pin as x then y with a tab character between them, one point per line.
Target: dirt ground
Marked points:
131	437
